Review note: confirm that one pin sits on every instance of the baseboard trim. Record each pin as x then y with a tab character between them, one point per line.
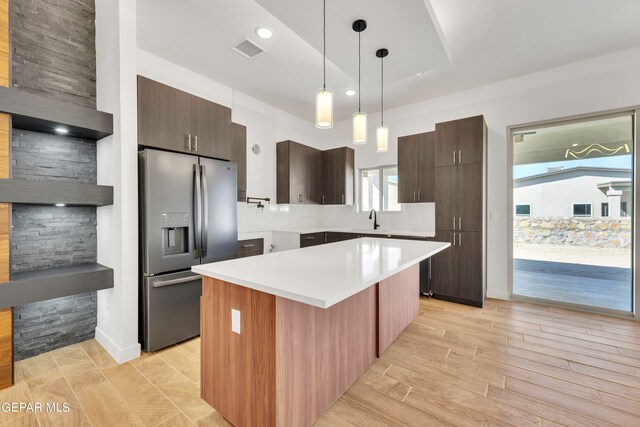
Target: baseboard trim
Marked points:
498	295
119	354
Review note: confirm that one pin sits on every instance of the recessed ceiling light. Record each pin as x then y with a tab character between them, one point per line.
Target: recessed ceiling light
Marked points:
60	205
264	32
61	130
574	145
419	74
350	92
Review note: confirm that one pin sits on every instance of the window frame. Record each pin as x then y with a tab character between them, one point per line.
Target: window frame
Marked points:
380	170
515	211
573	212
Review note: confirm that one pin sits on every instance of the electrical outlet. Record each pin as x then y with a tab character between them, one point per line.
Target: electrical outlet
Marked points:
235	321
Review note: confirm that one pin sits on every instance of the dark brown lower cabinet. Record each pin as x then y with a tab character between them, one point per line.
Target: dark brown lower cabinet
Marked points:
457	271
250	247
332	236
311	239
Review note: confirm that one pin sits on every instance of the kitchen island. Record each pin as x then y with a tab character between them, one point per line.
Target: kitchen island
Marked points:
283	335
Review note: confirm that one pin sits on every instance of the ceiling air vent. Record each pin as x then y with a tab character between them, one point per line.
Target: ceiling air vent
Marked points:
248	49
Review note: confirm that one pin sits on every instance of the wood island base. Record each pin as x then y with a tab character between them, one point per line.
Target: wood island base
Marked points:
291	360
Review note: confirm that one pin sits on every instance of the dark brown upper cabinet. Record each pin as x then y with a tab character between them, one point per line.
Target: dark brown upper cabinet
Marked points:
460	142
338	172
299	173
164	116
239	156
416	168
212	133
171	119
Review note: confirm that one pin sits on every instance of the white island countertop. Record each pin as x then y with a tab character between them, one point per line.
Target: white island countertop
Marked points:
323	275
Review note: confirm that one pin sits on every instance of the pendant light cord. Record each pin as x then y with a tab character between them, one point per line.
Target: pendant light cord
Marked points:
382	91
359	61
324	45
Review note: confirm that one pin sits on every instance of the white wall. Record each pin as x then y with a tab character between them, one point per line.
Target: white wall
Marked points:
117	328
554	195
599	84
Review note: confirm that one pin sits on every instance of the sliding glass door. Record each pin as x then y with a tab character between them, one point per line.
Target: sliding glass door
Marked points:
573	191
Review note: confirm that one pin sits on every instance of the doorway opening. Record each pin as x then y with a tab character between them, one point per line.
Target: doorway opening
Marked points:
573	198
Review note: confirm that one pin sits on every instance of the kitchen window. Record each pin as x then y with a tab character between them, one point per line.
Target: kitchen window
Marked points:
379	189
523	210
582	209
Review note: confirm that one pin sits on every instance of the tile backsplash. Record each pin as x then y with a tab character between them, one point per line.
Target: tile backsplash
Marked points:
419	216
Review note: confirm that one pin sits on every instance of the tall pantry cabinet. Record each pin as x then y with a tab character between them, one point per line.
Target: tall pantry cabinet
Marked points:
460	191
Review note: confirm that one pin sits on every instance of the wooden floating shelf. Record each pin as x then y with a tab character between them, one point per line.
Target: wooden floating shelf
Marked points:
42	285
29	192
41	114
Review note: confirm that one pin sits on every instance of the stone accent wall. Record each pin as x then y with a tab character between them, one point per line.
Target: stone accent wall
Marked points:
592	232
39	156
53	55
47	325
48	236
53	49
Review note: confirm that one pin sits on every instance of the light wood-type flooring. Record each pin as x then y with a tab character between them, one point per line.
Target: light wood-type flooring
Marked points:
510	363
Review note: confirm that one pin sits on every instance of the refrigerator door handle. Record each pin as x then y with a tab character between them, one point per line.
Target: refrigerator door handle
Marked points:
171	282
205	210
197	211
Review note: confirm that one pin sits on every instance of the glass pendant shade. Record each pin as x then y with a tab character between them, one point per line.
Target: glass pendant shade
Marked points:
324	109
382	139
359	128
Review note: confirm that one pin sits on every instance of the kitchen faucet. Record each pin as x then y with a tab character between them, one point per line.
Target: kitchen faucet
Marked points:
375	218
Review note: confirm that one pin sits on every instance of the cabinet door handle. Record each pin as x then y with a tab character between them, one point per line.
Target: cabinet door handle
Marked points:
195	139
309	237
343	199
459	156
454	239
323	200
454	157
187	142
459	239
459	223
454	222
414	195
249	246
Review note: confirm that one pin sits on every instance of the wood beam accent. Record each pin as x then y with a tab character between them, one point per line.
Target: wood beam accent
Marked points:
6	315
6	348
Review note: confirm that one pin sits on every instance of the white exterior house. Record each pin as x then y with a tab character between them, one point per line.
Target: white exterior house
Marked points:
575	192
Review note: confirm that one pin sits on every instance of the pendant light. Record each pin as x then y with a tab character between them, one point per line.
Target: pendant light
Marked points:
324	96
359	118
382	132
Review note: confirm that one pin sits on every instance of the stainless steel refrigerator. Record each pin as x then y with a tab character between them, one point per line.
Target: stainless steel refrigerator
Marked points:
188	216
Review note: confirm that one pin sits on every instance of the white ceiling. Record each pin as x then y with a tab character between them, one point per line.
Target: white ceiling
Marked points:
458	44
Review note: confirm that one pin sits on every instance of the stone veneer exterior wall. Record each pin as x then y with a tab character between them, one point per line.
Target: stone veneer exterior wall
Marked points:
53	55
592	232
